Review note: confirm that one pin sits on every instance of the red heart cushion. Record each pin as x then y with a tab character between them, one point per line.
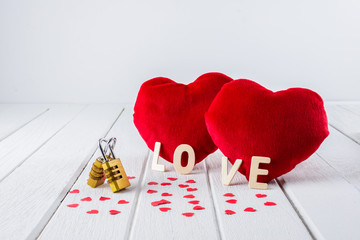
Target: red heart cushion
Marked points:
173	114
246	119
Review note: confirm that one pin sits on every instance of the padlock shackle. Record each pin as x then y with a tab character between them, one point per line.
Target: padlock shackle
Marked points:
111	145
101	147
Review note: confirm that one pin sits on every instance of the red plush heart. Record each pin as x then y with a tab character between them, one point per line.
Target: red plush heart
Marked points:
246	120
172	114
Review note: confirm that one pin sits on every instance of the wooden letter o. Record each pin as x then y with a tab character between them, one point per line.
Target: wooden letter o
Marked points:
177	159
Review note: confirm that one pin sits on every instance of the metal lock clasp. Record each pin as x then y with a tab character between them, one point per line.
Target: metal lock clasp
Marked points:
113	169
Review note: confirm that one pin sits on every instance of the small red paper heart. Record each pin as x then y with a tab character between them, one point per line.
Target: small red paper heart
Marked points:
188	214
269	204
232	201
194	202
92	212
189	196
165	194
191	189
171	178
87	199
190	181
229	195
123	202
198	208
245	120
75	191
164	209
152	183
165	184
249	209
114	212
130	177
260	195
229	212
150	191
104	198
73	205
163	104
183	185
161	202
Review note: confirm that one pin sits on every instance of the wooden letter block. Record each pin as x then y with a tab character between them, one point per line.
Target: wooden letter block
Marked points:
255	171
227	178
177	159
155	165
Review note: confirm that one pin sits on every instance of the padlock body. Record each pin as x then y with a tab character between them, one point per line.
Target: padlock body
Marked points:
115	174
96	176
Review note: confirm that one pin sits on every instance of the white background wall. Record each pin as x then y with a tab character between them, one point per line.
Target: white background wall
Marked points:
102	50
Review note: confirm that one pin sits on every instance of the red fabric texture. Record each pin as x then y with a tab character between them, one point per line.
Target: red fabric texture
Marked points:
173	113
246	119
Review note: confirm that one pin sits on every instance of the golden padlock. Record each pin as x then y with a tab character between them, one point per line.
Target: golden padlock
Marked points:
114	170
96	176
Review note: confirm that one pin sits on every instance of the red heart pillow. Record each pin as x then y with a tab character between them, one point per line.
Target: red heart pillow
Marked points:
246	119
173	114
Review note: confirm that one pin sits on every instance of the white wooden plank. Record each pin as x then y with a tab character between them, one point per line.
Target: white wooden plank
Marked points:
345	120
31	193
343	155
15	116
133	152
23	143
268	222
151	223
328	204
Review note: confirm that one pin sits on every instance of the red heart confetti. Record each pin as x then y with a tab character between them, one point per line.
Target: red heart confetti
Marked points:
194	202
162	201
183	185
232	201
172	178
191	189
150	191
123	202
249	209
75	191
104	198
114	212
73	205
198	208
165	194
260	195
92	212
165	184
88	199
190	181
229	212
229	195
269	204
152	183
131	177
188	214
164	209
189	196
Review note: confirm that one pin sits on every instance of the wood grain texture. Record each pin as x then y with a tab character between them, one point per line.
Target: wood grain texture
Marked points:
31	193
343	154
326	201
16	148
151	223
346	119
268	222
15	116
133	152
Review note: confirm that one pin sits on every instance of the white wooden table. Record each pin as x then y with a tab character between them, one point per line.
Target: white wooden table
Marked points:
48	150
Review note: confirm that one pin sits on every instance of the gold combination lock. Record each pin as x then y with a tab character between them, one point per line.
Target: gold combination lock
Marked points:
113	169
